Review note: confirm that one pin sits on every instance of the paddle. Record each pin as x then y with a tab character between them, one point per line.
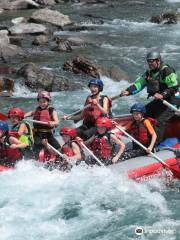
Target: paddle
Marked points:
175	173
3	117
172	107
116	97
89	151
78	111
36	121
56	151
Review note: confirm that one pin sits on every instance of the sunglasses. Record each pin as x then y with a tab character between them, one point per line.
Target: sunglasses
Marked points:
151	60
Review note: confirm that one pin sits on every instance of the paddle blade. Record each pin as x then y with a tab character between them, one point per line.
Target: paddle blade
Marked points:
3	117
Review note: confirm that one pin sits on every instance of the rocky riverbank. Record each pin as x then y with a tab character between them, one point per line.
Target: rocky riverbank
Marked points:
24	37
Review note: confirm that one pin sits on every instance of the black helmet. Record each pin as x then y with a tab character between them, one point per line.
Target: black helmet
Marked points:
153	55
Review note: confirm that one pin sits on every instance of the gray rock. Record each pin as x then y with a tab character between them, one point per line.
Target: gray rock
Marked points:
49	16
19	20
19	4
4	39
36	78
46	2
40	40
10	51
7	50
81	65
27	28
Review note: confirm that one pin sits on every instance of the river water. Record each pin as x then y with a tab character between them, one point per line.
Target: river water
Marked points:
94	203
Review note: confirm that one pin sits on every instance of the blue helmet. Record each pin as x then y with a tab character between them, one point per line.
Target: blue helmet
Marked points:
138	107
4	126
97	82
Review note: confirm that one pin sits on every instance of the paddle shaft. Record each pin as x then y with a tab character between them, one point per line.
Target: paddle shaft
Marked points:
92	154
142	146
78	111
172	107
116	97
56	151
36	121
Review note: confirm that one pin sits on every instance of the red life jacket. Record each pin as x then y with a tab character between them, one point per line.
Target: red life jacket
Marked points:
140	132
44	115
102	147
46	156
8	156
92	113
67	149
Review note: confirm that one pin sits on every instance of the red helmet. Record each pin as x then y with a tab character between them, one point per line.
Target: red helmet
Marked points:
104	122
72	132
16	112
44	94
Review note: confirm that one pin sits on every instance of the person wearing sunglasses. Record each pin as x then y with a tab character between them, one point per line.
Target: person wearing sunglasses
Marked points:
161	83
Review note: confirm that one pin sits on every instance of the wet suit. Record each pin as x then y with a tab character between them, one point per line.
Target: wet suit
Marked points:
164	81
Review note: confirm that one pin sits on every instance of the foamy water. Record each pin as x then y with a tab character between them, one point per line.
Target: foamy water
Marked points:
40	204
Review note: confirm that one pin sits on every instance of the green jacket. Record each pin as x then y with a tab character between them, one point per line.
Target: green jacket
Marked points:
28	138
163	81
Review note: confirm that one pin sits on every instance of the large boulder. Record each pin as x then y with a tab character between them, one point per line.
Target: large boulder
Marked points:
37	78
19	4
8	51
80	65
27	28
50	16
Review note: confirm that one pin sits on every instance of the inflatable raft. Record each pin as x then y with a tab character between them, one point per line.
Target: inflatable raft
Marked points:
146	167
